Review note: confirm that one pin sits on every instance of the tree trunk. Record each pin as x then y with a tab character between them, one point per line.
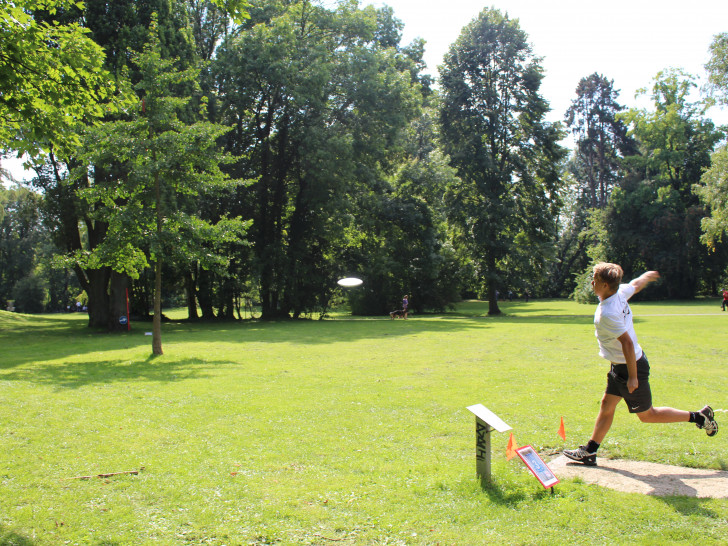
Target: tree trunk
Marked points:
191	292
227	299
141	297
157	320
96	284
118	285
493	308
204	285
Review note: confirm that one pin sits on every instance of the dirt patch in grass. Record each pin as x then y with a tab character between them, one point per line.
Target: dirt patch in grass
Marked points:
647	478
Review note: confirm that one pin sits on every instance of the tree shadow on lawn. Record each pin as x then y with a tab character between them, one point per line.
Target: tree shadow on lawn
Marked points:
569	320
545	307
59	342
336	331
314	332
13	538
51	354
41	339
73	375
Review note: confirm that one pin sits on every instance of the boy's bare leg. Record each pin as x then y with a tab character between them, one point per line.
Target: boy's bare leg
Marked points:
664	415
605	417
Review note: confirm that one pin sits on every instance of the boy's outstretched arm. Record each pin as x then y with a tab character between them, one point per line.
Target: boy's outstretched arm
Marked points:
643	280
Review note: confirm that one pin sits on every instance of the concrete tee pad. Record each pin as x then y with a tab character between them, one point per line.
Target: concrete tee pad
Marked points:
647	478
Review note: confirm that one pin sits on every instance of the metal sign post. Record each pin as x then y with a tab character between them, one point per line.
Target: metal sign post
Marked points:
485	422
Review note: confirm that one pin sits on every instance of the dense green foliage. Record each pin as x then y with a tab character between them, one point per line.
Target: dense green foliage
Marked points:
713	187
593	170
164	160
51	78
347	161
652	220
504	205
318	100
27	276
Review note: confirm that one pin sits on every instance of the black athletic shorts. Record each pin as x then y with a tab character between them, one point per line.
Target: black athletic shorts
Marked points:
641	399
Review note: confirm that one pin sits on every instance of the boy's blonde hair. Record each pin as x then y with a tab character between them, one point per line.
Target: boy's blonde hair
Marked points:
609	273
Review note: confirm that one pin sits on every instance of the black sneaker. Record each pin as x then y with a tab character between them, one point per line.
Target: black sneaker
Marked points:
710	426
581	455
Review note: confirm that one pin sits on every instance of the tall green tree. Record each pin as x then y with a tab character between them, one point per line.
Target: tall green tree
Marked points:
27	272
79	227
318	100
399	239
595	167
506	154
164	159
601	137
713	186
120	28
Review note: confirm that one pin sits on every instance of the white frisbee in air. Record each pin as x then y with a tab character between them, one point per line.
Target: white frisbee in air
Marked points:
350	281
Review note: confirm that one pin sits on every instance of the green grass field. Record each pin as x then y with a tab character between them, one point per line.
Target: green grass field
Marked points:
344	431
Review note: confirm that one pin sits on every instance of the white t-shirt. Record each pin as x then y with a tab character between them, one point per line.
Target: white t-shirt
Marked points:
613	318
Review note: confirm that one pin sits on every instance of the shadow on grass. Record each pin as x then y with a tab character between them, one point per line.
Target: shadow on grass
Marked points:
558	311
690	506
11	538
511	496
501	495
58	342
73	375
667	483
39	339
40	347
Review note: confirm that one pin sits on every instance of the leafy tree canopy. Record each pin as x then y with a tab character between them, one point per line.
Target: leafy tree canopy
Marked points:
507	156
713	187
717	68
51	78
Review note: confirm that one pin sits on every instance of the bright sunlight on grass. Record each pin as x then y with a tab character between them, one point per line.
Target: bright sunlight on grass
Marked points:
351	431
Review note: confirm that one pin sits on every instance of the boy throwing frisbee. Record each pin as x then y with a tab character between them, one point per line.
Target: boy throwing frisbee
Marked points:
628	377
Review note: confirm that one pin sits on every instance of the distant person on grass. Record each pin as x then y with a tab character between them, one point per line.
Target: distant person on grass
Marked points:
628	377
725	299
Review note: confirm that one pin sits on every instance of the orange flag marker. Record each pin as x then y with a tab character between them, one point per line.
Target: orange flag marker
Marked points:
512	447
562	430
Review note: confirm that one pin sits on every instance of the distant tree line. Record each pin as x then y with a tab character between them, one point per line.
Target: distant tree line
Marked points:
224	152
